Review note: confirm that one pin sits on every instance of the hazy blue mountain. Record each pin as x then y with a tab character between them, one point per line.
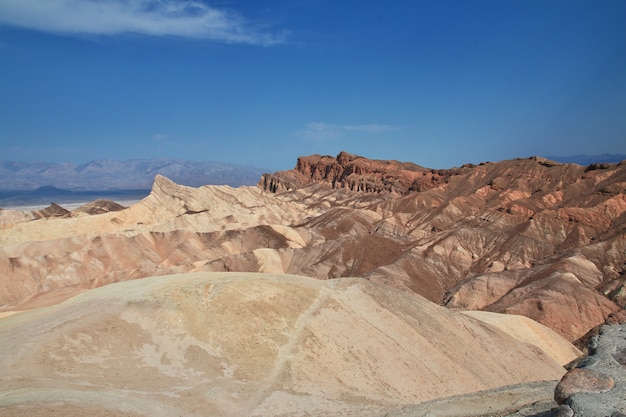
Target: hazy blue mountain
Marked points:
136	174
44	196
584	160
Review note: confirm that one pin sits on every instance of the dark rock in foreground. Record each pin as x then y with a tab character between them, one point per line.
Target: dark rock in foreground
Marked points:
596	387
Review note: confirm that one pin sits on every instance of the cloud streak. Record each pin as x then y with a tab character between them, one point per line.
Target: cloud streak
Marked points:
183	18
325	131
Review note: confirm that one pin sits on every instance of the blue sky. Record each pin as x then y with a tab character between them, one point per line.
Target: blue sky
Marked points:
439	83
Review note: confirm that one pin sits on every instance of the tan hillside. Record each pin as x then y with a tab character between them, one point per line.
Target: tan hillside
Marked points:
531	332
242	344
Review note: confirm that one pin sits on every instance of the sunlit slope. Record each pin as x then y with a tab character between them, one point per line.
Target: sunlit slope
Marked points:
234	344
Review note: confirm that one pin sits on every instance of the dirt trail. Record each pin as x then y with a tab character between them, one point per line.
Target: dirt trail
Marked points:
285	352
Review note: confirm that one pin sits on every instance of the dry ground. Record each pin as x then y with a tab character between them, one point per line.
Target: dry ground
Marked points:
242	344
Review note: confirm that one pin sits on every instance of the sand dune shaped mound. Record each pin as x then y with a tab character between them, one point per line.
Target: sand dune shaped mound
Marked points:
244	344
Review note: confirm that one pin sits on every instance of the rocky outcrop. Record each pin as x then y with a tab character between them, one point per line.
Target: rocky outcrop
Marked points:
596	386
53	210
582	380
354	173
10	217
98	206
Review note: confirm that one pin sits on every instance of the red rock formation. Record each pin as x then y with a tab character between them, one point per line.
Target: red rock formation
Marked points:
354	173
525	236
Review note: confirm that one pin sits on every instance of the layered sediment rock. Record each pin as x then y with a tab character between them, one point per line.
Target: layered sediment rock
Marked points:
354	173
527	236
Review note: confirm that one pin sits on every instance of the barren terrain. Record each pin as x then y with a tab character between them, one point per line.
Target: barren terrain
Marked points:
237	344
180	326
529	236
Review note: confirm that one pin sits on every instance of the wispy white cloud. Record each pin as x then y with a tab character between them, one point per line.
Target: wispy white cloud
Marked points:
326	131
184	18
321	131
159	137
369	128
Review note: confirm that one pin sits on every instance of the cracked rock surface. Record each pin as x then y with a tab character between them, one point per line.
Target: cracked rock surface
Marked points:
596	387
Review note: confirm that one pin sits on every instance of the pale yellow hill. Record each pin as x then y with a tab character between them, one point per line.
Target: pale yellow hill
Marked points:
243	344
529	331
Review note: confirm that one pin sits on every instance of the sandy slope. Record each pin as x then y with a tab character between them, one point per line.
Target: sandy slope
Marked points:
530	331
241	344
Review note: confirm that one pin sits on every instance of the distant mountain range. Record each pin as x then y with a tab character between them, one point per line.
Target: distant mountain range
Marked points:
136	174
44	196
611	158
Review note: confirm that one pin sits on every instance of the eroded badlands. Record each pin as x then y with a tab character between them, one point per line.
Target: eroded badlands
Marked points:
530	238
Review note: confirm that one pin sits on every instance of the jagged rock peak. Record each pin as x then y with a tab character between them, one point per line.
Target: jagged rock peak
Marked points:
545	161
180	198
53	210
352	172
163	184
165	188
169	197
